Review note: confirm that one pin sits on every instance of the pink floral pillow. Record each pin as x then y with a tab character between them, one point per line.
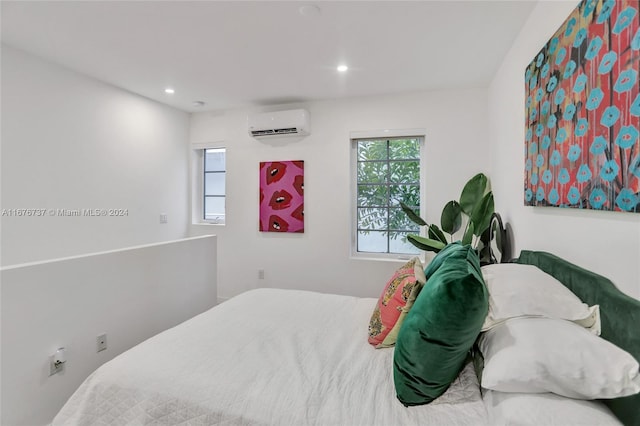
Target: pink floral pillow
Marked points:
394	303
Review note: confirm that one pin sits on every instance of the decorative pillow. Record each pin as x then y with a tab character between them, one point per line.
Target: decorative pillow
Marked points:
538	355
517	290
392	337
440	328
396	300
545	409
439	259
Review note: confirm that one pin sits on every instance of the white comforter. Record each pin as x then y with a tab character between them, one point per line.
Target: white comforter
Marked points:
279	357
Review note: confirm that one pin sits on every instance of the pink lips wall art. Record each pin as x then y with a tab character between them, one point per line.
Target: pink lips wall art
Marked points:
282	196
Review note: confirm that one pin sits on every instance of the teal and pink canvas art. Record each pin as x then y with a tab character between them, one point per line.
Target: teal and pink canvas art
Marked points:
582	146
282	196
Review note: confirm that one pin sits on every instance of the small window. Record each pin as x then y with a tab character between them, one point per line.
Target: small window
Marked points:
214	185
387	172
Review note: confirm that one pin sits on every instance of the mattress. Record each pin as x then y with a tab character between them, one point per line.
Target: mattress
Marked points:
267	356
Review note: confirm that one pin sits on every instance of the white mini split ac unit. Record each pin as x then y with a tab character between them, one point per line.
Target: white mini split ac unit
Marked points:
294	122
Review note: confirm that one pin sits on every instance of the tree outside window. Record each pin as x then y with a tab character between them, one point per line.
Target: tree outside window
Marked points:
387	173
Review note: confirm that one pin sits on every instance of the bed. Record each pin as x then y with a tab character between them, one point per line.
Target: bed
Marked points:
620	315
267	356
289	357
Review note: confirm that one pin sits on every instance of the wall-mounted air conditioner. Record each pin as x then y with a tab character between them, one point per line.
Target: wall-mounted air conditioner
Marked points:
294	122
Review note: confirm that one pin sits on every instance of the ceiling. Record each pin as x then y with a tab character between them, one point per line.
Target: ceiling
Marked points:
232	54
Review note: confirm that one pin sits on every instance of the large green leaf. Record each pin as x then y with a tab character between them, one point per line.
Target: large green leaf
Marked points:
451	218
412	215
473	192
425	243
467	238
436	234
481	215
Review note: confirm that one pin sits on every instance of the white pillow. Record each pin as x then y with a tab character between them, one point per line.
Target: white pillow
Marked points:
539	355
517	290
547	409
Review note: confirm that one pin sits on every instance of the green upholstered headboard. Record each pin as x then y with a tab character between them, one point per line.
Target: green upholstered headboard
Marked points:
620	315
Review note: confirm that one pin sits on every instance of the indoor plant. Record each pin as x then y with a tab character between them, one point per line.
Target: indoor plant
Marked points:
473	210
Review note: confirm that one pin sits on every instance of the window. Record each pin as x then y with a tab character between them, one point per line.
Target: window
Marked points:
387	172
214	174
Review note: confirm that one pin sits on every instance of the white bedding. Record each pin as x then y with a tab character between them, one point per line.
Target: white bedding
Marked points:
545	409
268	356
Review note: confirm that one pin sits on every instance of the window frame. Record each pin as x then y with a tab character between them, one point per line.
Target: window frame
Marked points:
198	177
382	135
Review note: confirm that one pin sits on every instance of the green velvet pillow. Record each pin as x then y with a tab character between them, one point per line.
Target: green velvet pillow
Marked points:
440	329
442	255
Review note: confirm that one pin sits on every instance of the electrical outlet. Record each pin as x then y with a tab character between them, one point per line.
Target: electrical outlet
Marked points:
101	342
261	274
54	367
164	218
57	362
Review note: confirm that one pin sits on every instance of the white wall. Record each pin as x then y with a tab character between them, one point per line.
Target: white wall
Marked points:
605	242
319	259
71	142
130	294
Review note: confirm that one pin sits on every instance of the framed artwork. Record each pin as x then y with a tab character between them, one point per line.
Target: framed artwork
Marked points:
282	196
583	111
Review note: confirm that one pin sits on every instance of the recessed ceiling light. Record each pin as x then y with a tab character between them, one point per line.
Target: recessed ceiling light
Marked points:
342	68
169	91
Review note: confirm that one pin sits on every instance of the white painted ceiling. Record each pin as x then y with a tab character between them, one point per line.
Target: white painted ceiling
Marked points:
233	54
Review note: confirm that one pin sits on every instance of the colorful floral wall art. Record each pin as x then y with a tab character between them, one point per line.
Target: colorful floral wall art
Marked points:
282	196
583	111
